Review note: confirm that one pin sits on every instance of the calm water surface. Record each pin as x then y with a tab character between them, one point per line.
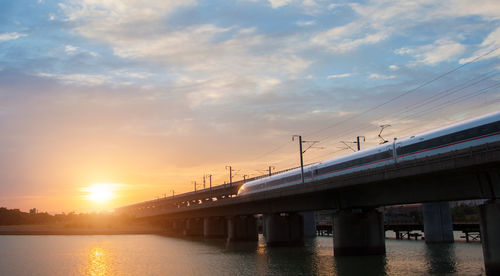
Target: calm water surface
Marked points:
159	255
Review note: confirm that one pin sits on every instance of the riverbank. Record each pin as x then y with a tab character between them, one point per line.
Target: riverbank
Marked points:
60	230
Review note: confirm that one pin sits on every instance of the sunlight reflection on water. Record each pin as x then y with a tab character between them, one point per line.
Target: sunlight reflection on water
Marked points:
98	262
160	255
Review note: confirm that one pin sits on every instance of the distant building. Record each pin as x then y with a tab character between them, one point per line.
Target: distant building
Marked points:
33	211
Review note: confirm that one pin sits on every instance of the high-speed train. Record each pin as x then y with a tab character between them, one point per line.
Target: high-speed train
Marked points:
459	136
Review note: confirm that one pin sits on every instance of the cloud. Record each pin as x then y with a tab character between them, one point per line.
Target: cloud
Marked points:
70	49
136	75
487	9
393	67
11	36
432	54
218	57
121	12
113	78
381	77
306	23
279	3
332	6
376	21
339	76
348	37
490	44
78	79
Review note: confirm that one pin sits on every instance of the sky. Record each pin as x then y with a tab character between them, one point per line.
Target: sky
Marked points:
146	97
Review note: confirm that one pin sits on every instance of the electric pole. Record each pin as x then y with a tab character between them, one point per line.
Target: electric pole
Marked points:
203	181
311	145
194	182
301	160
271	168
358	143
210	183
173	193
230	175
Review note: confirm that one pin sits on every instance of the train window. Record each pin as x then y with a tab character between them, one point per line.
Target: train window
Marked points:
473	132
485	129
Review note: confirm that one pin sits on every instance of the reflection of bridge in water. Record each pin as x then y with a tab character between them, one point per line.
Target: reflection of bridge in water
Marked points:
357	198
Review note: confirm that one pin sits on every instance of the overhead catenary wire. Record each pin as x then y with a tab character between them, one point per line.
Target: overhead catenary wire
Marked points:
439	106
382	104
441	95
407	92
454	101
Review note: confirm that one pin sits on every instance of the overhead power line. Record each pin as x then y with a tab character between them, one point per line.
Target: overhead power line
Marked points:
388	101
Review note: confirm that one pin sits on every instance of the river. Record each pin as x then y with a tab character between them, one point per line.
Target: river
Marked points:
161	255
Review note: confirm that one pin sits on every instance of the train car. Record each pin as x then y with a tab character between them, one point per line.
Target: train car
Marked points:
458	136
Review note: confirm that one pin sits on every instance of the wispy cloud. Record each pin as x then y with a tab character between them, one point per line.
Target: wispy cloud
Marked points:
381	77
339	76
70	49
306	23
228	53
432	54
279	3
490	44
78	79
348	37
377	21
11	36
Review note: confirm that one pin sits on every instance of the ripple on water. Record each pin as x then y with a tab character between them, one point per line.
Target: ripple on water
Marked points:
159	255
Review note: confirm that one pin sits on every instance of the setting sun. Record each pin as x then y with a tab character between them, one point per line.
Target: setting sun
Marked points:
100	192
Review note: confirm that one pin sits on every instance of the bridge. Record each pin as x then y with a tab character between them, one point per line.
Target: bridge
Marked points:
472	173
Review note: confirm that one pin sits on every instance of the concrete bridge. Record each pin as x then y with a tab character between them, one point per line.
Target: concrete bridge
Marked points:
472	173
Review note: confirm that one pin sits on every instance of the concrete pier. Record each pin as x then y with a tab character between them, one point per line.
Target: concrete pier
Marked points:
438	226
283	229
309	219
490	236
358	232
242	228
214	227
177	227
193	227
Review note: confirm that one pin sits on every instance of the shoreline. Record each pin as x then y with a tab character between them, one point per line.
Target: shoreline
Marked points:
47	230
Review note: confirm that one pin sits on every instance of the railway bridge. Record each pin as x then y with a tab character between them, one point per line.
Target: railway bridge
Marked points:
357	198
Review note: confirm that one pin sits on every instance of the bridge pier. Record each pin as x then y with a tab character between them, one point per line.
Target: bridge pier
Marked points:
358	232
242	228
283	229
309	219
438	226
177	226
193	227
214	227
490	236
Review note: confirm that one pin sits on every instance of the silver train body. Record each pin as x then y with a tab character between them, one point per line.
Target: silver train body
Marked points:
459	136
